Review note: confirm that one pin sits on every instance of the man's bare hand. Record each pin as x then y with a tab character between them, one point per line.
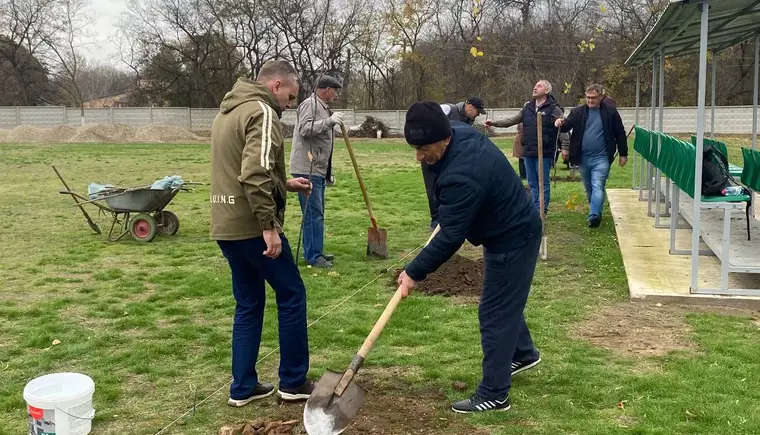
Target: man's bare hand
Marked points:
623	160
299	184
274	244
488	123
565	154
406	284
559	122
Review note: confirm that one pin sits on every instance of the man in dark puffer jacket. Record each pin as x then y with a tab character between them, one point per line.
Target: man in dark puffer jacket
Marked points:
481	199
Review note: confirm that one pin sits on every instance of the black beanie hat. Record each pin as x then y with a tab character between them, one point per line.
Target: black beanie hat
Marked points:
426	124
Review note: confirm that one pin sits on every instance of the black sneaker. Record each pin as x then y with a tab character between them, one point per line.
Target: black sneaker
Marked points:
521	366
479	404
328	257
594	221
301	393
261	391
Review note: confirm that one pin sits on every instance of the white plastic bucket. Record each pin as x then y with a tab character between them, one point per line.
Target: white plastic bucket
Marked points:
60	404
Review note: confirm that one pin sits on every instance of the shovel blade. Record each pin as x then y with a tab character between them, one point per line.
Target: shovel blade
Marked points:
377	242
328	414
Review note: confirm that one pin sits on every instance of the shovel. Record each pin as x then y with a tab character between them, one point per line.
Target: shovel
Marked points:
337	398
541	182
377	238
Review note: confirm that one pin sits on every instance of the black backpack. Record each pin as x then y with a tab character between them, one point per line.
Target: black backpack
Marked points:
715	176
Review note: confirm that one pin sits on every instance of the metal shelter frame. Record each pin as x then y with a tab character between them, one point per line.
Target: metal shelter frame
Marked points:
688	27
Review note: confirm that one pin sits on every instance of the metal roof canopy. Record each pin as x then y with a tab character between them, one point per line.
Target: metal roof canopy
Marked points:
677	31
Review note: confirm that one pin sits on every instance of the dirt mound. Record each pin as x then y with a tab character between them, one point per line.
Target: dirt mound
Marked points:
369	128
62	133
103	133
632	328
460	276
26	133
99	133
261	427
164	133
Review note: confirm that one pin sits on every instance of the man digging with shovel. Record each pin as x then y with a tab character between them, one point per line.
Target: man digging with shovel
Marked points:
481	199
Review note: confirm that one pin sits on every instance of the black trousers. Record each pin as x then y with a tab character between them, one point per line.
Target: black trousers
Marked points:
521	167
429	177
504	334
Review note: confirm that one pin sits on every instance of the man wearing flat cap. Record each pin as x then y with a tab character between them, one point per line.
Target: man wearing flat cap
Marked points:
481	199
464	111
313	139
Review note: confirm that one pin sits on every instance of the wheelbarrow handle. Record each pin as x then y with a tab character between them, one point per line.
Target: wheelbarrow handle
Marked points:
360	356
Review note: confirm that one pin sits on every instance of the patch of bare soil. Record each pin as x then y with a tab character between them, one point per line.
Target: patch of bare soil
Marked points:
390	407
460	276
260	427
631	328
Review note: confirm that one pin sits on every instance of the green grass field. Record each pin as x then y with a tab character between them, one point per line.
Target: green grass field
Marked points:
151	323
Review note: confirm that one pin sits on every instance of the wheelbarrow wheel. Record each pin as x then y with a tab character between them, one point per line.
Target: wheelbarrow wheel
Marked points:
143	227
168	223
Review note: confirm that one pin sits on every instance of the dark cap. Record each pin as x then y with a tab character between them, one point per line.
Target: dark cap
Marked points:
426	124
328	82
477	103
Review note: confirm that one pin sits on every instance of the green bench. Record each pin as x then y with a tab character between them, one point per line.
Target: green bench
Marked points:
676	159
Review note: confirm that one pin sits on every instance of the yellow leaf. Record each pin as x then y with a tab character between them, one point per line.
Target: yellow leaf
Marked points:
479	38
56	342
598	30
474	51
476	11
603	9
592	46
480	53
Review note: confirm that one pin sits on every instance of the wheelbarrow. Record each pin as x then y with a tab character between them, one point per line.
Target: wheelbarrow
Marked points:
138	211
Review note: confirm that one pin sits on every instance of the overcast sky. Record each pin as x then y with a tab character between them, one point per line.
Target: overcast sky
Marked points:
107	14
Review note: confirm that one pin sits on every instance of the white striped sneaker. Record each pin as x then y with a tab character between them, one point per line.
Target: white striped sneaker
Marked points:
521	366
479	404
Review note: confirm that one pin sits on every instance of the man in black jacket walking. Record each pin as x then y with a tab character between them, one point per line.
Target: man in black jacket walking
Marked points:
598	134
481	199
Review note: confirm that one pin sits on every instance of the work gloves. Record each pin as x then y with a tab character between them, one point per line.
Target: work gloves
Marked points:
336	118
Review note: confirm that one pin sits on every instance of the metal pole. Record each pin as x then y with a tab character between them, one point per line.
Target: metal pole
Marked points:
754	92
636	122
661	104
712	95
696	227
651	139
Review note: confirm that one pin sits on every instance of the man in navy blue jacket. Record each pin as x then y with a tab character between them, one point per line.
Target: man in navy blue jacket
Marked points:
481	199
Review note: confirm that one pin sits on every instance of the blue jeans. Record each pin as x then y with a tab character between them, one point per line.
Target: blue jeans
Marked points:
504	335
531	170
313	211
594	171
250	270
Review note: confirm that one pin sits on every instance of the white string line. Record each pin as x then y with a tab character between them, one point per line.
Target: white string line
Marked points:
383	272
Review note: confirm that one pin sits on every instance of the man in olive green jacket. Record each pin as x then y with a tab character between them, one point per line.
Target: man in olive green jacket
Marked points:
248	188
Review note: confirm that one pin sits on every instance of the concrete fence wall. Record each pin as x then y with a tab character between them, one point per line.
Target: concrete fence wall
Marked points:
728	119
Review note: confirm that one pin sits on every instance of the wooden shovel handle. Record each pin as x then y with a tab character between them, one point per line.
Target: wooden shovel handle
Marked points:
358	360
358	175
539	121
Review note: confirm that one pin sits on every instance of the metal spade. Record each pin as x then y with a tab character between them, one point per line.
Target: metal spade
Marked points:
337	397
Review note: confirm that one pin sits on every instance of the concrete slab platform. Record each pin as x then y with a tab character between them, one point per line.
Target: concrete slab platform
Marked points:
656	276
